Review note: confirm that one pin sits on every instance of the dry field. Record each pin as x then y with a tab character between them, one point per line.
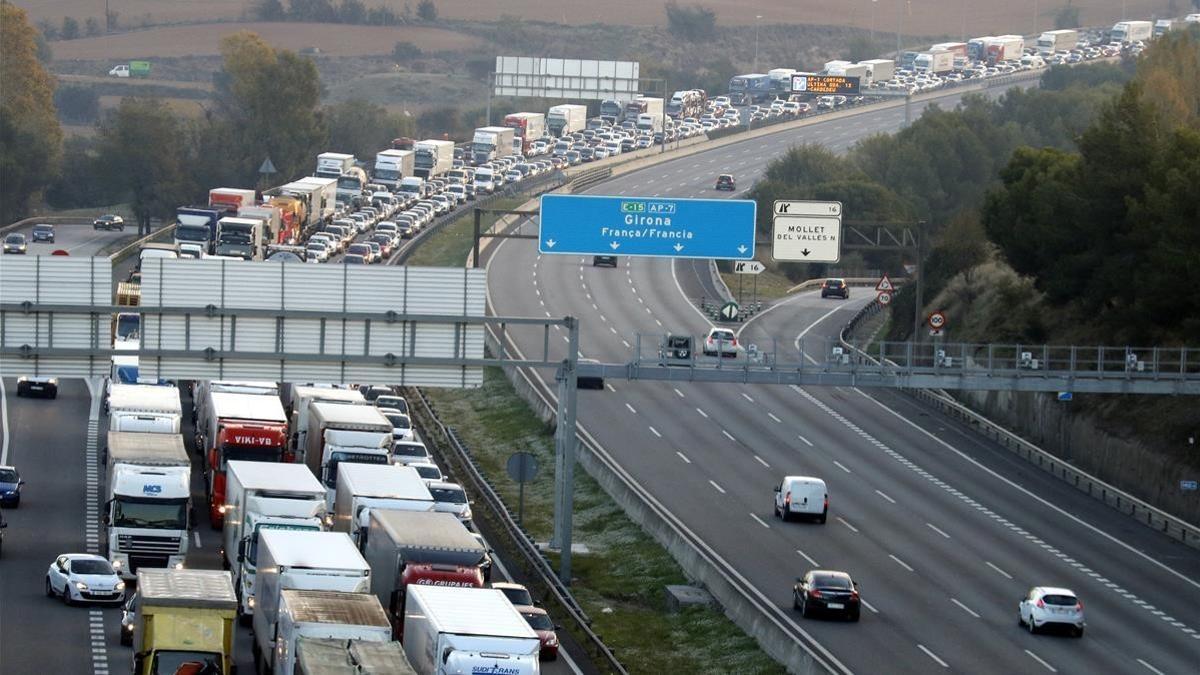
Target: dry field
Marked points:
202	39
924	17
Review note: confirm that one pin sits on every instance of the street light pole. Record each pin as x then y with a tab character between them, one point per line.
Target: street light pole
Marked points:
757	19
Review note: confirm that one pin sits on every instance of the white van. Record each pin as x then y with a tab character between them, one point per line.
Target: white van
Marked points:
801	496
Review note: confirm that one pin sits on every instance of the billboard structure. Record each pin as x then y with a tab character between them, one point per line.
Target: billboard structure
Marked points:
573	79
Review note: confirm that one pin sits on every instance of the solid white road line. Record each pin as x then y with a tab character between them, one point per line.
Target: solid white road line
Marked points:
933	656
966	609
811	326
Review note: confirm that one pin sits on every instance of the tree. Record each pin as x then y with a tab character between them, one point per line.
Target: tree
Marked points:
427	10
1067	17
30	135
92	26
352	11
77	104
269	10
270	97
70	28
691	23
405	51
362	128
142	156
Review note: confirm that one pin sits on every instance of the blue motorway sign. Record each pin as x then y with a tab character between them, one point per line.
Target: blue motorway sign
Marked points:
657	227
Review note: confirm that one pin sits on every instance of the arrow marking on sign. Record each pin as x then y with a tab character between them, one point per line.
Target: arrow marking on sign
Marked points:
678	247
806	252
550	243
615	245
742	248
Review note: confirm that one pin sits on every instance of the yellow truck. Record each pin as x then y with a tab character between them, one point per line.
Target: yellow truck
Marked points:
185	622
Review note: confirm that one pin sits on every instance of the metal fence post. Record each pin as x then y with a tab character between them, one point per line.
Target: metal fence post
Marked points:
564	453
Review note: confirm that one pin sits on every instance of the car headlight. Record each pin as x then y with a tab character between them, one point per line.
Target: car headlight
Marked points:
116	564
179	565
250	602
81	586
22	379
120	586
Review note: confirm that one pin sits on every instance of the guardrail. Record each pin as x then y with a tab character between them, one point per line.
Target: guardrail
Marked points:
458	455
1142	512
589	177
52	220
128	250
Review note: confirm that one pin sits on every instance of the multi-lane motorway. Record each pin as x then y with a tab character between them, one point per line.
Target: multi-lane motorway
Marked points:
944	531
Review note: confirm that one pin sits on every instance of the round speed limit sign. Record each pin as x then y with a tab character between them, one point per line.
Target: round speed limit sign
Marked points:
937	320
885	298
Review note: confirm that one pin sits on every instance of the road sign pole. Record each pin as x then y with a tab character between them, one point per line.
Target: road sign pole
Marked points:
740	300
564	455
475	258
756	291
920	279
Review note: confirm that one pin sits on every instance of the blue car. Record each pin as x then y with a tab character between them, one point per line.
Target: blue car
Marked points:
10	487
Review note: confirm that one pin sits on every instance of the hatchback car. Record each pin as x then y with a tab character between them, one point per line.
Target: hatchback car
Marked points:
401	425
429	472
392	401
82	577
43	232
540	622
604	261
726	182
826	592
721	342
15	243
835	287
1048	607
46	387
410	452
10	487
450	498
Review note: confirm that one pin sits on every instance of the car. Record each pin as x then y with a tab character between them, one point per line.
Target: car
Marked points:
10	487
801	496
604	261
837	287
128	619
726	182
721	342
109	221
1051	607
352	259
392	401
450	498
540	622
43	232
385	241
517	594
46	387
410	452
315	251
376	250
83	577
401	425
429	472
361	250
827	592
15	243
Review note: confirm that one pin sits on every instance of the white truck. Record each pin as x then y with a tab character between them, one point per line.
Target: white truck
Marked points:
144	407
240	238
653	110
488	143
345	433
433	158
272	219
879	70
448	631
527	127
363	487
262	496
1005	48
333	164
391	166
297	401
566	119
1054	41
937	62
306	615
1125	32
149	481
318	561
323	656
324	195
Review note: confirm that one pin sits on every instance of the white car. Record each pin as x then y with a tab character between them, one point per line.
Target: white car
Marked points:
82	577
410	452
802	496
721	342
316	252
429	472
1050	607
401	425
450	498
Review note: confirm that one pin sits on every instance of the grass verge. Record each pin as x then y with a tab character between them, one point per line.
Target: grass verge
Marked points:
449	248
771	285
620	582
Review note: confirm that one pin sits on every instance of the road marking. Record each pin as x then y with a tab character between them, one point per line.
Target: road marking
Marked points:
772	416
747	397
804	555
808	442
935	529
196	538
869	606
885	496
3	421
966	609
842	466
658	322
1006	574
702	413
631	409
811	326
901	562
610	387
719	488
760	521
729	436
683	457
626	343
614	330
1150	667
679	393
1039	660
852	528
655	432
933	656
565	338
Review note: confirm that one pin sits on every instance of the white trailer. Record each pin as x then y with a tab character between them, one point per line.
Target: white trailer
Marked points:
879	70
324	191
363	487
345	433
297	402
149	497
566	119
1053	41
318	561
464	630
333	164
1125	32
265	496
306	615
144	407
434	157
392	166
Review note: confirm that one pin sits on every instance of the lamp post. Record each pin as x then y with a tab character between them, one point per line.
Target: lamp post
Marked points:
757	19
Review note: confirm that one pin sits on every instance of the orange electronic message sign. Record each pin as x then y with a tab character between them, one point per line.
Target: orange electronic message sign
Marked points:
824	84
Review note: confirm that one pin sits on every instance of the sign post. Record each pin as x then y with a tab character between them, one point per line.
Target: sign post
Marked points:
883	291
806	231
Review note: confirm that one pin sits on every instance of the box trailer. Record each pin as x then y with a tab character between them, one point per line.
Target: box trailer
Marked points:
306	615
467	630
363	488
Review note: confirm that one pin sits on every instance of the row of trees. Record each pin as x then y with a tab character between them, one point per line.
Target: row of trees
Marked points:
343	11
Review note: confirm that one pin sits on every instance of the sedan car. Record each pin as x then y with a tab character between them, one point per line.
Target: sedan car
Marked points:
10	487
410	452
352	259
46	387
450	498
517	594
828	592
429	472
726	182
1048	607
385	242
316	252
540	622
43	232
15	243
604	261
837	287
109	221
361	250
401	425
83	577
721	342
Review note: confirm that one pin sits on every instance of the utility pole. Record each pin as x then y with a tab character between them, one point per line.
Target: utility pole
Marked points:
757	20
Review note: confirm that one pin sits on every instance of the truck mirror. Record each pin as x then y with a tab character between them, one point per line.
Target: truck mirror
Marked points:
241	552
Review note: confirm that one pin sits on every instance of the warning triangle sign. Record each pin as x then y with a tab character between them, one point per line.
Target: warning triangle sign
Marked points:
884	285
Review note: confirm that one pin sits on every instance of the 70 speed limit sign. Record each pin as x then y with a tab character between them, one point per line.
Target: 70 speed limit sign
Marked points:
936	320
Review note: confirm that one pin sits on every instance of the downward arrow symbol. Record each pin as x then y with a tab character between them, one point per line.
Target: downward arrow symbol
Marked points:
550	243
615	245
742	248
678	248
805	252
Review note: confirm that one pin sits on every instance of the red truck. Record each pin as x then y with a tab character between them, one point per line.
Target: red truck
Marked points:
231	199
251	427
419	547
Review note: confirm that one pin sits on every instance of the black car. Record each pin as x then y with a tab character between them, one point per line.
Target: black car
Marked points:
828	592
46	387
604	261
837	287
43	232
726	182
109	222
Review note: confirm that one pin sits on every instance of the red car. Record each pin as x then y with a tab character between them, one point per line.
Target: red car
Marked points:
541	624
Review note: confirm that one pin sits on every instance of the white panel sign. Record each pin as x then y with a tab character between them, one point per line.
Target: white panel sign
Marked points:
306	346
565	78
806	231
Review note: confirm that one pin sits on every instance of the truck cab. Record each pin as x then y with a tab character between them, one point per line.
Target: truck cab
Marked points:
184	622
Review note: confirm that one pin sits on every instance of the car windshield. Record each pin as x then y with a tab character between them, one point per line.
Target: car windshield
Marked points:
722	335
399	421
91	567
517	596
1059	600
8	476
831	581
834	283
538	621
166	515
448	495
43	228
392	402
429	472
409	450
14	239
127	326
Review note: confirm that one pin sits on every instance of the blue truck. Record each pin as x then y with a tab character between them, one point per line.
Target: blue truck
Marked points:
752	88
196	228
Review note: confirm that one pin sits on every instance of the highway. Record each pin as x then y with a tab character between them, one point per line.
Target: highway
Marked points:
944	531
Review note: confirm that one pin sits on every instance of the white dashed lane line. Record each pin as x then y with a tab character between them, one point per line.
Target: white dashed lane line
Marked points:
933	656
1001	572
935	529
900	562
885	496
848	525
1039	659
773	417
718	487
964	608
631	409
760	521
655	432
702	413
683	457
806	441
804	555
841	466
